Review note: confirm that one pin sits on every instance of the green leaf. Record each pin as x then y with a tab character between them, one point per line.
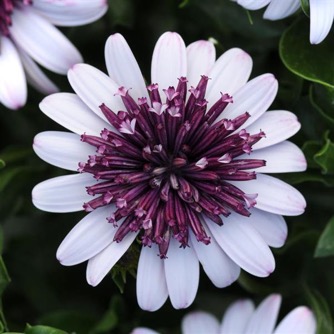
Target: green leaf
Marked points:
325	246
42	330
311	62
322	312
305	4
4	277
325	157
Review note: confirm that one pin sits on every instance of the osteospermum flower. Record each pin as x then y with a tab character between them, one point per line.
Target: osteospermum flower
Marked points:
28	36
180	165
321	13
242	317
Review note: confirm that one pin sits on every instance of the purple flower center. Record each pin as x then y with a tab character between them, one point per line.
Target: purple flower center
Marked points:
6	10
170	165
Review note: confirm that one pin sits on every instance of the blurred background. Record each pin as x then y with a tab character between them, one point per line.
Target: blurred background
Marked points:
35	289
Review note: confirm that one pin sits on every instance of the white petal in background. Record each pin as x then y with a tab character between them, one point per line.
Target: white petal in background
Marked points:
229	73
63	193
87	238
143	330
69	111
13	85
42	41
182	274
71	13
151	282
62	149
253	4
201	56
279	9
169	61
200	323
123	67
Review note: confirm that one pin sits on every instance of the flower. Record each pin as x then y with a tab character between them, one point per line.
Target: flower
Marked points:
243	317
180	168
27	37
321	14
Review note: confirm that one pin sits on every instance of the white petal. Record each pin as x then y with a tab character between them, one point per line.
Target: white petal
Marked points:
182	274
99	266
69	111
230	72
123	67
62	149
255	97
87	238
35	76
151	282
143	330
244	245
253	4
63	193
271	227
71	13
321	17
95	88
42	41
279	9
278	125
236	317
169	60
280	158
301	320
13	86
221	270
274	195
264	318
200	323
201	56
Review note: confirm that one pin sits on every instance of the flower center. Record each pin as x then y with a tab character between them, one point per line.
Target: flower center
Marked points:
170	164
6	10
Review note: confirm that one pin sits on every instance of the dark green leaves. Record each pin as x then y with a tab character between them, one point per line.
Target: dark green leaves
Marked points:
42	330
325	246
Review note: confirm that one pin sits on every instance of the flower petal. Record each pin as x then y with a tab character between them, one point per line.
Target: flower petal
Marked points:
169	60
13	86
274	195
280	158
278	125
69	111
244	245
94	88
151	282
264	318
99	266
182	275
143	330
253	4
255	97
201	56
63	193
221	270
123	67
321	17
87	238
271	227
200	323
279	9
237	316
299	320
71	13
230	72
62	149
42	41
35	76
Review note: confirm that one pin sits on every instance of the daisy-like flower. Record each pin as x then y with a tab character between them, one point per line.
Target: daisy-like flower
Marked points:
321	13
180	165
242	317
28	37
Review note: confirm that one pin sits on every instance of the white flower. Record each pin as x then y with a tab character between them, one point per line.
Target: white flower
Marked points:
321	13
28	36
243	318
184	181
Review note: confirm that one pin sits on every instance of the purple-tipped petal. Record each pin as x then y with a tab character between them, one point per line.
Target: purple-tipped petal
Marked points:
200	323
151	282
